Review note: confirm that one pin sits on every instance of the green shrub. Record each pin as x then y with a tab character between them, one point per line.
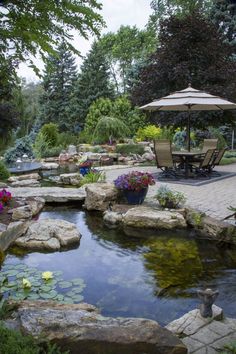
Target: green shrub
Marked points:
4	173
215	133
40	145
126	149
13	342
22	146
52	152
93	177
84	137
168	198
65	139
109	129
150	132
50	131
229	154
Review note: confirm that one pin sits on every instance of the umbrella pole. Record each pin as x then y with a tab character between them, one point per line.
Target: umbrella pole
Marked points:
188	130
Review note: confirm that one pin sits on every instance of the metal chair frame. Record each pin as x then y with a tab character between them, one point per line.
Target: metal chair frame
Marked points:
205	166
164	158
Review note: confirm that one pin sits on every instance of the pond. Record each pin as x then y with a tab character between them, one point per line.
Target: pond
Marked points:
155	277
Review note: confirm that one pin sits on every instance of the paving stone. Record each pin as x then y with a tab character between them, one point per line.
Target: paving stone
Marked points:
192	344
231	322
203	350
205	335
220	328
218	344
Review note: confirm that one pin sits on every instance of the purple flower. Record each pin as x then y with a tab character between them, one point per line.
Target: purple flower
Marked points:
134	181
1	207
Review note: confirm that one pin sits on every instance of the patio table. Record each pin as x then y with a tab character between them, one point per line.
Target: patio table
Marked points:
186	157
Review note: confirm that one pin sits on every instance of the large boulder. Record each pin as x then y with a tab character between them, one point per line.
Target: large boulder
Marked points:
81	329
22	212
49	166
30	176
49	234
149	218
100	195
73	179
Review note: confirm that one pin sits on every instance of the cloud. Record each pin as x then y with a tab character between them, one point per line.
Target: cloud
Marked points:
115	14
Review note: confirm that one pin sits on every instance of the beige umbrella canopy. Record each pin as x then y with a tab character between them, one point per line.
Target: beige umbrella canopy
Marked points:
189	100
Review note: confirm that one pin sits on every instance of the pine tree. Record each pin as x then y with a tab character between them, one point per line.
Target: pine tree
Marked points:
93	82
223	14
58	82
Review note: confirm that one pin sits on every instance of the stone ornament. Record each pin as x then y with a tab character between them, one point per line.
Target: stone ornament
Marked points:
208	297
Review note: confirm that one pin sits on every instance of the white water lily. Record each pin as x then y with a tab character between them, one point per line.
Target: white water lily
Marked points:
47	275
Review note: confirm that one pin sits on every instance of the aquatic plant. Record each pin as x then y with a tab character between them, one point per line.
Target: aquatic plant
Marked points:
19	282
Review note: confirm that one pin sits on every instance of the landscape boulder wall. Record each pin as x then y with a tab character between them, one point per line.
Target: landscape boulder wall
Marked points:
100	195
81	329
149	218
49	234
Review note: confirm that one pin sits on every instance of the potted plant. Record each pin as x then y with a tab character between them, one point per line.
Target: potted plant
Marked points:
134	186
84	165
169	199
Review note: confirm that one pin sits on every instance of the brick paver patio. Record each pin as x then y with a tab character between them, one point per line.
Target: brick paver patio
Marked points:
213	198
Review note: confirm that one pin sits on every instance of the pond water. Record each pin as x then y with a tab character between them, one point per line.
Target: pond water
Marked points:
155	277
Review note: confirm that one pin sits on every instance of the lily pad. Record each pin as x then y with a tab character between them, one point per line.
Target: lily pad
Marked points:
65	284
45	288
68	300
50	295
59	297
77	298
77	290
12	272
77	281
33	296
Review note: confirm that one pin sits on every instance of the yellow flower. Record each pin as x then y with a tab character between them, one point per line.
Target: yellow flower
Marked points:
26	283
47	275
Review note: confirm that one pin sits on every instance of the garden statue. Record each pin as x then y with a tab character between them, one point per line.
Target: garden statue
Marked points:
208	297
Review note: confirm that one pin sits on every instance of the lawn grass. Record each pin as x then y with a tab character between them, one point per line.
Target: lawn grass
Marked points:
228	161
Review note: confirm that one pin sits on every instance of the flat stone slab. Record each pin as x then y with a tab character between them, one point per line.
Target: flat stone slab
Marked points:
81	329
51	194
146	217
49	234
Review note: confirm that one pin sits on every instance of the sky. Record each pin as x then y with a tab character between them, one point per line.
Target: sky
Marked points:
115	14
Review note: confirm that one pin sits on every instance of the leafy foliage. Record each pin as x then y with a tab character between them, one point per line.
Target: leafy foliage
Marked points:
32	27
93	176
109	128
150	132
22	146
123	49
126	149
4	173
93	82
168	198
206	63
100	108
50	132
229	349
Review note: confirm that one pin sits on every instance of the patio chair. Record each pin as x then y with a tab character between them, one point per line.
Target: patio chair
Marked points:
209	144
204	167
164	159
216	161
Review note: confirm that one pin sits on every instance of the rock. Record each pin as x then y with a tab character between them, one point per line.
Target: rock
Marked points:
112	219
49	166
218	230
72	150
3	185
23	212
49	234
30	176
192	321
84	147
100	195
51	194
149	218
51	159
73	179
81	329
148	149
149	156
3	227
36	205
64	156
26	183
14	230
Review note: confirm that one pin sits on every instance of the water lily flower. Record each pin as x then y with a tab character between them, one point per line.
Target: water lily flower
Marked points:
26	283
47	275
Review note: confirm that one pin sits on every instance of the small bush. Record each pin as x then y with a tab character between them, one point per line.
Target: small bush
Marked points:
65	139
52	152
4	173
169	199
40	145
230	154
126	149
50	131
84	137
150	132
93	176
22	146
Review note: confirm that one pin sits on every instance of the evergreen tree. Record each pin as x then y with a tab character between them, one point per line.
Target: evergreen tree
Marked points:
58	82
223	14
93	82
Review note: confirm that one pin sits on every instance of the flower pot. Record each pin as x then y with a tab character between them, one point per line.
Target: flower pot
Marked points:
84	170
135	197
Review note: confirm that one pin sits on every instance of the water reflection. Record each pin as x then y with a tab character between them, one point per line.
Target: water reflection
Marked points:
154	277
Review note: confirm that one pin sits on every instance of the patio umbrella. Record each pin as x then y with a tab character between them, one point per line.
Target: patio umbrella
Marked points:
189	100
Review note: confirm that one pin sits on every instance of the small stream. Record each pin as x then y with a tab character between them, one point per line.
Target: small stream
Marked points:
155	277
